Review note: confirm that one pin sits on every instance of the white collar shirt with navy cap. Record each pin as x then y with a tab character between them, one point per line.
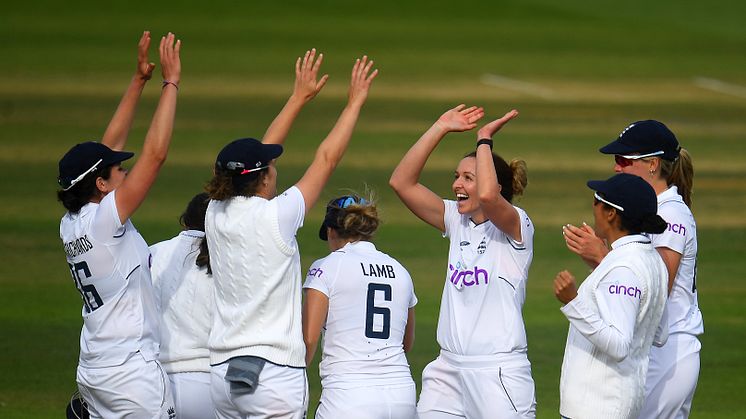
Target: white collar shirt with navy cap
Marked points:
485	286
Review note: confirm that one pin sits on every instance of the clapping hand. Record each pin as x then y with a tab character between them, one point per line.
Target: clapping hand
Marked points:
144	67
491	128
361	79
460	118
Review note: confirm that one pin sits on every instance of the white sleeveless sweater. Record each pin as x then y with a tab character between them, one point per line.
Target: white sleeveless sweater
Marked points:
257	284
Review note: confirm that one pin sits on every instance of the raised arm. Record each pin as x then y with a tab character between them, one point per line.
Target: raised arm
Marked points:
306	88
136	185
115	136
405	180
493	204
332	149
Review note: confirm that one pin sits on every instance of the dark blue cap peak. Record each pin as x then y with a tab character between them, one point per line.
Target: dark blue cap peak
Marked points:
629	194
645	137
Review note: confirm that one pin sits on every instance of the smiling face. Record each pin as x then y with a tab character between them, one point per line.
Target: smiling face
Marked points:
465	187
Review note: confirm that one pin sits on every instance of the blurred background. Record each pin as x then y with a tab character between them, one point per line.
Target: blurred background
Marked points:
578	71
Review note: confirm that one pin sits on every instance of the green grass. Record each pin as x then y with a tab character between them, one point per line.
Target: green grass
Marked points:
64	66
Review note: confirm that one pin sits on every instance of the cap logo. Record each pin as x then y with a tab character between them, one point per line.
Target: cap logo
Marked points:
234	165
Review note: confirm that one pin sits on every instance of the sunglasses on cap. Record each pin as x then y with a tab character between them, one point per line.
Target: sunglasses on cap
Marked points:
625	161
346	201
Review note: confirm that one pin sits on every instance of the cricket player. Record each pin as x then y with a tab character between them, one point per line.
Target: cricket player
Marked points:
118	371
364	301
483	369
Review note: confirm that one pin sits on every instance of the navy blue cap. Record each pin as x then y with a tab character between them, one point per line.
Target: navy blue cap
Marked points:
334	208
630	194
645	137
84	159
246	155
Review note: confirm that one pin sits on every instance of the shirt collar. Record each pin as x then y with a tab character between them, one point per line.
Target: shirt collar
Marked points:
632	238
360	245
670	194
193	233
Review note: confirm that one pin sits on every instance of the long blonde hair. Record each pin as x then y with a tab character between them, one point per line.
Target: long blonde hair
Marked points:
680	173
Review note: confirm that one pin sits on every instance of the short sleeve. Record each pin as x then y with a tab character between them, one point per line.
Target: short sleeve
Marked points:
106	226
451	217
527	232
318	276
674	237
291	209
413	300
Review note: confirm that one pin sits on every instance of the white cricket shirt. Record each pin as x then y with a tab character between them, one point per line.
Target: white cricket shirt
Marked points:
370	294
186	298
485	286
680	236
613	321
109	262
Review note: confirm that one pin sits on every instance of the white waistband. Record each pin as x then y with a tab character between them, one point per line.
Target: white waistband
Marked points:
510	359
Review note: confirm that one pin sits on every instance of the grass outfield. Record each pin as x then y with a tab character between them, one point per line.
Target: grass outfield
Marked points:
578	71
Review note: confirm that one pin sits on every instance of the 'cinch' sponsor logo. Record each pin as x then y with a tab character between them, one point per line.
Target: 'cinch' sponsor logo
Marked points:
468	277
624	290
677	228
317	272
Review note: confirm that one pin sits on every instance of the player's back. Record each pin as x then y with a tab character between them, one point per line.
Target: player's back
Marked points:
109	264
369	294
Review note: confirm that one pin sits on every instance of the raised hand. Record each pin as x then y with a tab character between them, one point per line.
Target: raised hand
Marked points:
361	79
144	67
491	128
306	72
460	118
564	287
170	61
584	242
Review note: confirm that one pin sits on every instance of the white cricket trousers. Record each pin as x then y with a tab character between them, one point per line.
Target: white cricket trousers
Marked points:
477	387
672	377
192	396
282	393
137	389
374	402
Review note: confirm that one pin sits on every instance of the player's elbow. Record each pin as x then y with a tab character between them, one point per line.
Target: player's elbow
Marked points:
488	196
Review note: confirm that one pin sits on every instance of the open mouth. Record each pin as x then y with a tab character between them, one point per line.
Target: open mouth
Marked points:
461	197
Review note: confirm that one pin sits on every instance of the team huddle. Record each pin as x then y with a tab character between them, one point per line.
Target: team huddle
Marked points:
218	322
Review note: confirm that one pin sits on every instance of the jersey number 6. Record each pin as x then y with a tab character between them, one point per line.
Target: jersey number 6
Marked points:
371	310
91	299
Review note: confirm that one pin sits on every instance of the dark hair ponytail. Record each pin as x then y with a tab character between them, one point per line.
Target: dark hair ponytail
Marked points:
651	223
82	192
193	218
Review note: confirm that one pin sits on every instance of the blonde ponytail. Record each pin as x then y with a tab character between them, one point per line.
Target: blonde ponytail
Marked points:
681	174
